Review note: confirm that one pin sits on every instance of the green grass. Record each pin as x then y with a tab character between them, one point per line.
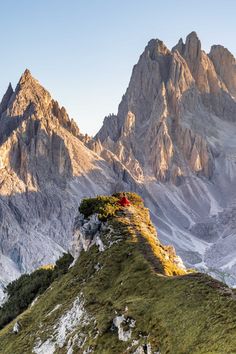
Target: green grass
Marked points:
104	206
179	314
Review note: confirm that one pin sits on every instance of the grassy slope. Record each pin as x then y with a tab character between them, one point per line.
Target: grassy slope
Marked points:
189	313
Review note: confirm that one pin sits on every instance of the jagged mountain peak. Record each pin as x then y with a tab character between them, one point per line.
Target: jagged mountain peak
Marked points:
6	98
26	76
190	39
9	90
225	66
28	91
192	48
28	82
31	100
192	36
36	134
179	46
156	47
222	50
182	108
44	170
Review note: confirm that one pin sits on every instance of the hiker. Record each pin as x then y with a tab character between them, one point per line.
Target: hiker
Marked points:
124	201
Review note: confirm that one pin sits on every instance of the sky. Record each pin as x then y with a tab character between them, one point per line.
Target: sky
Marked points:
83	51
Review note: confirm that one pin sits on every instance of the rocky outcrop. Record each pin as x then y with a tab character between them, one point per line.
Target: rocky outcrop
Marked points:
6	98
86	234
225	66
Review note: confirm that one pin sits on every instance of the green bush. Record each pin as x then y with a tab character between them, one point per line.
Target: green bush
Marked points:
62	265
104	206
107	206
22	291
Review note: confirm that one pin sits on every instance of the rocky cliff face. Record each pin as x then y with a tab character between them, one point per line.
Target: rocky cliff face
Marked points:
174	132
152	129
45	169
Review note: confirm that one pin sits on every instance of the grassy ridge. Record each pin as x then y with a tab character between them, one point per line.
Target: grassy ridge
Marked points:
180	314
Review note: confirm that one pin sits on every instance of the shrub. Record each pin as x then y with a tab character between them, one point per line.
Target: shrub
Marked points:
107	206
104	206
62	265
22	291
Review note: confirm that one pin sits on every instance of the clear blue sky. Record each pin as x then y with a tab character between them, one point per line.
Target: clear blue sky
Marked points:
83	51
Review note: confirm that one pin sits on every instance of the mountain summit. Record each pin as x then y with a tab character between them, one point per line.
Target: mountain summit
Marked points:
45	170
164	88
174	131
172	140
31	98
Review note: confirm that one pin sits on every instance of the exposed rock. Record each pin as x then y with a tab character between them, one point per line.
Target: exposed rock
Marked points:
66	324
151	112
124	335
225	66
174	131
86	233
16	328
173	140
45	171
6	98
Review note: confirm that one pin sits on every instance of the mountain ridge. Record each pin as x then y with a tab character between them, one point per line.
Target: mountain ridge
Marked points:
117	298
45	170
172	141
174	132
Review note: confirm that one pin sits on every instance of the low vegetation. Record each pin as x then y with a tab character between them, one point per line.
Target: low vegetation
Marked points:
106	206
185	313
22	291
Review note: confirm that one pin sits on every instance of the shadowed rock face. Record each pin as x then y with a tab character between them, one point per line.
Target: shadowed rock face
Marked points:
45	170
174	131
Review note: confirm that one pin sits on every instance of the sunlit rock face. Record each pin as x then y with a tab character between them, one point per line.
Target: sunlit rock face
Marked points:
175	132
149	132
225	66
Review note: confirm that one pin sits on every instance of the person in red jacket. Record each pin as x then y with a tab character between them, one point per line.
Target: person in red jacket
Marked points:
124	202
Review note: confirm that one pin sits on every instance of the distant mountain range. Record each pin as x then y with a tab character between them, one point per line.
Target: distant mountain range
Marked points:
172	141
